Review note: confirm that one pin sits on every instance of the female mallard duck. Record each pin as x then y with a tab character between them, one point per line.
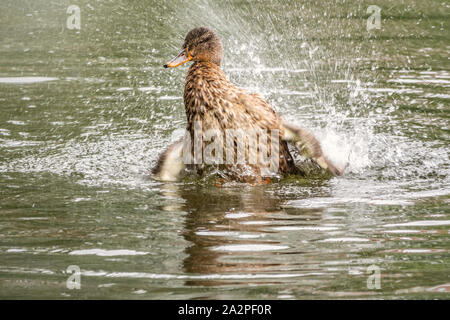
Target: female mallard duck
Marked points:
214	104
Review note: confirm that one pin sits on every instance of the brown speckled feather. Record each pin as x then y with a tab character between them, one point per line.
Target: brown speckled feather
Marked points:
210	98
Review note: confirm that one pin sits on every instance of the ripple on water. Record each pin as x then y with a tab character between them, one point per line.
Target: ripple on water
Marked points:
25	80
107	253
249	247
345	239
310	228
421	223
238	215
124	89
145	275
415	251
407	231
149	89
421	81
17	250
326	202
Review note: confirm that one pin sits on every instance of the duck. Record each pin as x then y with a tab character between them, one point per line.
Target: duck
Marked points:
213	104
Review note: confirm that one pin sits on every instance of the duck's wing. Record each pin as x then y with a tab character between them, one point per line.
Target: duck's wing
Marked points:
170	163
303	140
308	146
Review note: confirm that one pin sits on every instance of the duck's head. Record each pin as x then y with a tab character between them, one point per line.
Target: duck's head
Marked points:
200	45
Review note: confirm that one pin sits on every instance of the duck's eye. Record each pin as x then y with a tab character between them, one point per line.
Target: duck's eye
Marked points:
204	40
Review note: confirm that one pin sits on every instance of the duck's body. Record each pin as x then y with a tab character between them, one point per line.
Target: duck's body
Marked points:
212	103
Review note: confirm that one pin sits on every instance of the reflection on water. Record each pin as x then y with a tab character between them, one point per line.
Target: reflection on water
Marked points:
85	114
215	231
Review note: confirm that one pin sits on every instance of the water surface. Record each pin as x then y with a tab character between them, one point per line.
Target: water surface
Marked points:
85	113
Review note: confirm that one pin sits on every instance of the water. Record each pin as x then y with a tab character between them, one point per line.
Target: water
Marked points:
85	113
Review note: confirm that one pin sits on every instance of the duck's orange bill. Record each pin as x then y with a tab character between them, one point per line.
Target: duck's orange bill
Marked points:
181	58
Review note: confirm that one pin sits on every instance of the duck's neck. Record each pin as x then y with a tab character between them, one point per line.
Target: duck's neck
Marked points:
204	82
204	70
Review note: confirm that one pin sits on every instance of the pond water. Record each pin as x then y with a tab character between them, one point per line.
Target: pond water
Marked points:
85	113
